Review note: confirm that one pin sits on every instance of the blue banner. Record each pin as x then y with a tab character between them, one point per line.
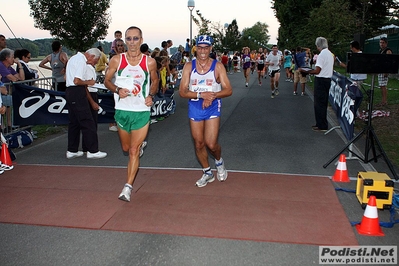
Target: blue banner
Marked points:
345	98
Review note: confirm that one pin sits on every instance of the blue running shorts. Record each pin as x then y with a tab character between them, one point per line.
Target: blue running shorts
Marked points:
196	113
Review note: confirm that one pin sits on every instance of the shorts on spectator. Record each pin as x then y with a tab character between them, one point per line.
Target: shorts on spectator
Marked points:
382	80
298	77
7	100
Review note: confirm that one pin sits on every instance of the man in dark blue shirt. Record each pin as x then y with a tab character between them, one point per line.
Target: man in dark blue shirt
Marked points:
299	60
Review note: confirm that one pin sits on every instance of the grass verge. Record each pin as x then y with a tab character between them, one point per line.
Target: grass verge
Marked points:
385	127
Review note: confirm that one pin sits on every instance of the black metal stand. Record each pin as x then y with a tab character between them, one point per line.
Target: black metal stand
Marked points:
371	140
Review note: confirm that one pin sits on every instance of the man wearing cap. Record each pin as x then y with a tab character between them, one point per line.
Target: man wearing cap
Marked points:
204	83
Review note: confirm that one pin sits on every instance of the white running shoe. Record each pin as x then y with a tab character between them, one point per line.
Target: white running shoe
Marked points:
204	180
222	172
125	194
71	155
96	155
4	167
276	92
143	145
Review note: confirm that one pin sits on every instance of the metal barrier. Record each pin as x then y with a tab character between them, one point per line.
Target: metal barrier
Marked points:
7	120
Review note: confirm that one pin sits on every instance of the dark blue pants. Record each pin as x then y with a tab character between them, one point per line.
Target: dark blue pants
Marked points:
321	91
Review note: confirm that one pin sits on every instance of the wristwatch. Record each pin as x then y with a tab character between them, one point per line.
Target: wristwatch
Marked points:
151	95
117	90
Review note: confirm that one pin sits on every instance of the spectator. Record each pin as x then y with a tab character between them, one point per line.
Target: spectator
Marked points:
92	96
3	89
225	60
3	42
144	49
24	57
79	109
164	51
119	49
58	61
323	73
176	58
186	57
117	36
383	78
193	49
169	44
187	48
6	61
102	62
299	61
156	52
358	78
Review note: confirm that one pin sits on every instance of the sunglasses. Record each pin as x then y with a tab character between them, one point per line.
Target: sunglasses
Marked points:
120	45
135	38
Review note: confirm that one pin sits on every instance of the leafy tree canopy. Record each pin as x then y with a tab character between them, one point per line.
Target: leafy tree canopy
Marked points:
76	23
230	38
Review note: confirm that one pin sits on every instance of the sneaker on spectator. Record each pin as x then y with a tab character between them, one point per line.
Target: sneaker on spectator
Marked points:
125	194
96	155
71	155
222	172
113	128
204	180
302	94
295	93
4	167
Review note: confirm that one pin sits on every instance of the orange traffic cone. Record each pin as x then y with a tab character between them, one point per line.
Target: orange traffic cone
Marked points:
341	174
370	224
5	158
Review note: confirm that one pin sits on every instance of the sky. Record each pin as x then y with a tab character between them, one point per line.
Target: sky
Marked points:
160	20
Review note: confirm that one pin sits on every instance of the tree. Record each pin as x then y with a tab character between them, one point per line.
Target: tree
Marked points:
296	28
76	23
232	36
202	23
19	43
255	36
334	21
292	15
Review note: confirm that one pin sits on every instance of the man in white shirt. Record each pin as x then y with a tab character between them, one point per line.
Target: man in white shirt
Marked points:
79	110
323	72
